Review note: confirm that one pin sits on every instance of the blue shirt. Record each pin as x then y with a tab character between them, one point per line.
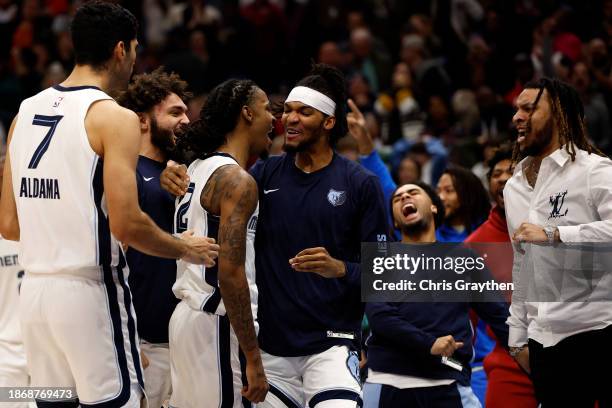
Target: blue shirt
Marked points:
336	207
151	278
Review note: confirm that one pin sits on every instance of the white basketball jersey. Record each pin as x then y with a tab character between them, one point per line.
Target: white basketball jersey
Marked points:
57	182
197	285
10	280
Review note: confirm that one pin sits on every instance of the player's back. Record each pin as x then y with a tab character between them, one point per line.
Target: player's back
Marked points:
58	185
198	285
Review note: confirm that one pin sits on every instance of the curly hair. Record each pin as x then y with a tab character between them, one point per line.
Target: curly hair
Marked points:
96	29
330	81
567	112
147	90
218	117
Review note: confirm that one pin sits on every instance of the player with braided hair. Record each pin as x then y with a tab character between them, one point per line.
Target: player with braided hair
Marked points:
560	192
316	208
216	318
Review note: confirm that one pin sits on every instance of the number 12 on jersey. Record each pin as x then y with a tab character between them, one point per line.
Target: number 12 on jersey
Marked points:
180	223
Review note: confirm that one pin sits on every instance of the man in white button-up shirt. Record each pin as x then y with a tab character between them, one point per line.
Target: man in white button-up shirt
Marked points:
561	191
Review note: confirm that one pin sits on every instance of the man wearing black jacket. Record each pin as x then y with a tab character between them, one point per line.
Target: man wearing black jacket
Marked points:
411	341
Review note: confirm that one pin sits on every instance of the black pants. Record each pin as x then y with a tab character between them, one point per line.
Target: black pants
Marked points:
575	372
443	396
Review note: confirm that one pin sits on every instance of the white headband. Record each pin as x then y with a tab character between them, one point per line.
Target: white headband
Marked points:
312	98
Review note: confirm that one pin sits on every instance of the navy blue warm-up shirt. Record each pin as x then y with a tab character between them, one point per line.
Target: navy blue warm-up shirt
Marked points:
336	207
151	278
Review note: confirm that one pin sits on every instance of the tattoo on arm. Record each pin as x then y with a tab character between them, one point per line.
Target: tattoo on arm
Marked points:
235	195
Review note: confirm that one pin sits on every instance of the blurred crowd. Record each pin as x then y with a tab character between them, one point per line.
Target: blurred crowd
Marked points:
436	79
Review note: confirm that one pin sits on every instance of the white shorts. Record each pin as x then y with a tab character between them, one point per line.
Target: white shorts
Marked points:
204	360
327	379
13	370
81	333
157	374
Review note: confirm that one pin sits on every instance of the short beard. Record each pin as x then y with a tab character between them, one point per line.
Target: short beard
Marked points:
161	138
306	144
541	141
416	228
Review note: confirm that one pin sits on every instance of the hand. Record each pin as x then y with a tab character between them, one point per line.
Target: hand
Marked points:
174	179
522	358
257	383
144	360
357	128
445	346
318	260
529	233
200	250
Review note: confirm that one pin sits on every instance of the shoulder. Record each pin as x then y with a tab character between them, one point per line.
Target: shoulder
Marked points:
359	177
263	167
233	180
107	113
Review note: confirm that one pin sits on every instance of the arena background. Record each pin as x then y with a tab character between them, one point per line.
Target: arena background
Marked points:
441	72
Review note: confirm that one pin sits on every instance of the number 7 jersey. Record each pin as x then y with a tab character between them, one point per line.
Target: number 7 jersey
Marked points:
57	184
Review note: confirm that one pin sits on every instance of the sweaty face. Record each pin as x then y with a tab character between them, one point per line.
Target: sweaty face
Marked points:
412	209
448	195
533	123
262	123
499	175
304	126
167	119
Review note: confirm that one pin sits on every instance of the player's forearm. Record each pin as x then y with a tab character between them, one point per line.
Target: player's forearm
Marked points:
141	233
237	300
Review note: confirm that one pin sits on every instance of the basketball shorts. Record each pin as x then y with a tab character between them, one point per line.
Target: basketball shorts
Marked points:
157	373
324	380
13	370
204	360
81	332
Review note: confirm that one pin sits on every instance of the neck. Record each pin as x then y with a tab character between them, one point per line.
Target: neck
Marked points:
315	157
85	75
237	148
423	237
550	149
149	150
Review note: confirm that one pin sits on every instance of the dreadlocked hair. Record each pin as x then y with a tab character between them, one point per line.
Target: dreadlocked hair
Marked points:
218	117
330	81
567	112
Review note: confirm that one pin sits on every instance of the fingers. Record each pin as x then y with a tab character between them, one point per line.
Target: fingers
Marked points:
354	109
310	266
306	258
255	393
311	251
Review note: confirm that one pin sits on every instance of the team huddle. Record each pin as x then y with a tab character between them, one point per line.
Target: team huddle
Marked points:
162	266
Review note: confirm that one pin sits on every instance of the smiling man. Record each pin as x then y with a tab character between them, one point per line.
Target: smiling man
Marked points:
560	191
158	99
316	209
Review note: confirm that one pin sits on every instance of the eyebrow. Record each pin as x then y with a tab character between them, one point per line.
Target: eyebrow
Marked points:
411	191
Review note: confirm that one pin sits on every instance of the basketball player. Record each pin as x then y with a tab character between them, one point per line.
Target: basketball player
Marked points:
316	209
69	195
158	99
215	316
13	370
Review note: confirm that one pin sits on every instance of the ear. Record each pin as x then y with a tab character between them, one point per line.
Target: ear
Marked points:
120	51
247	114
329	123
434	209
145	122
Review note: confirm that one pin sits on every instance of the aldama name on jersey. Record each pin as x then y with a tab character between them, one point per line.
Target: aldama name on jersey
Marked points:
39	188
